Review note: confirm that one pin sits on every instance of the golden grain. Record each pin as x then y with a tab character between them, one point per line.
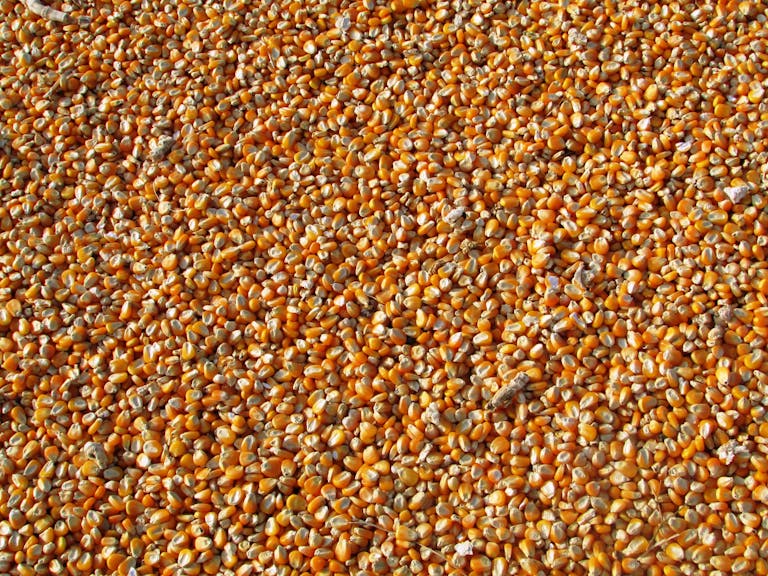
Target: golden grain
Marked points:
347	288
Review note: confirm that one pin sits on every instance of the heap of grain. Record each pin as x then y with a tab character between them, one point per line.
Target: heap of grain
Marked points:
373	287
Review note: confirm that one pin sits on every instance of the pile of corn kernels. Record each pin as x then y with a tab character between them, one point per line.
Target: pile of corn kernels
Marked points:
383	287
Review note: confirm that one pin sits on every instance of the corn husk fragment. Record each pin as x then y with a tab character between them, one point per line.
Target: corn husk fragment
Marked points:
508	391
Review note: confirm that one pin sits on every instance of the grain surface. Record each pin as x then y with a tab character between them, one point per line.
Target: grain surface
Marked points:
264	266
